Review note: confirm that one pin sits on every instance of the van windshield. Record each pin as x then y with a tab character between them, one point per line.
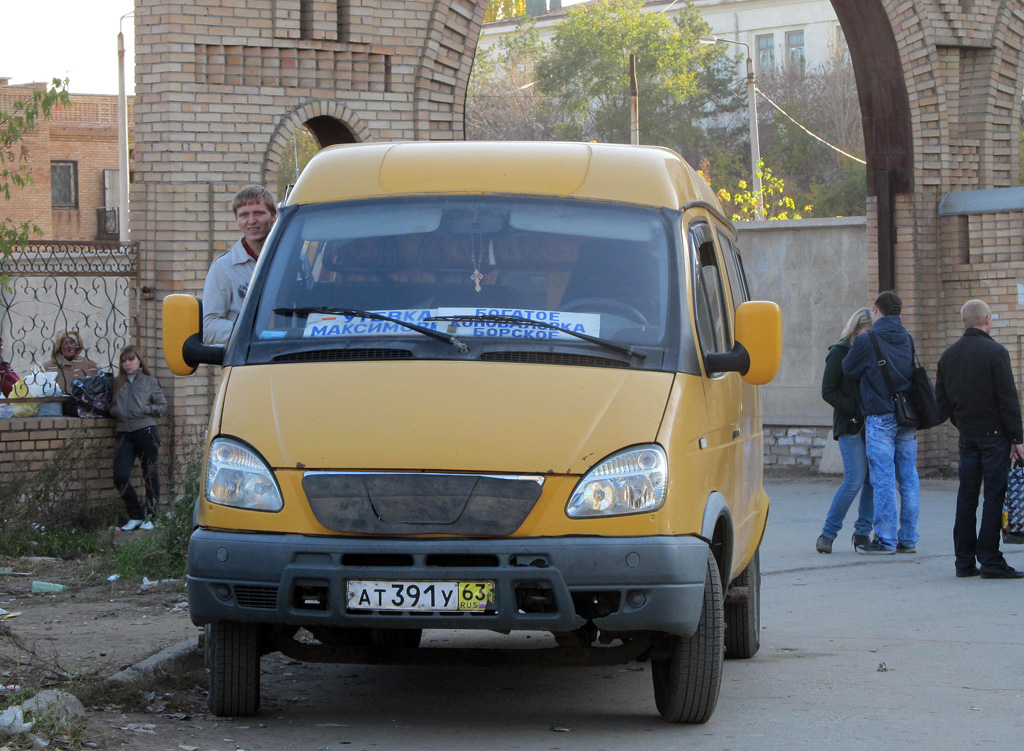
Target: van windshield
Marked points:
477	268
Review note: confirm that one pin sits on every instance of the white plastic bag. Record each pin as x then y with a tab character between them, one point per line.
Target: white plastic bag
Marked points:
42	383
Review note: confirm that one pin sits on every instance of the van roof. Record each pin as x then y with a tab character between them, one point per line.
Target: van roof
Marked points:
643	175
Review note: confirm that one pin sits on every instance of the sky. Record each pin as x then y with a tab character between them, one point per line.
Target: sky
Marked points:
74	39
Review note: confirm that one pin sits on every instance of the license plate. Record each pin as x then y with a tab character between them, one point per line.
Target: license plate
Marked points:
441	596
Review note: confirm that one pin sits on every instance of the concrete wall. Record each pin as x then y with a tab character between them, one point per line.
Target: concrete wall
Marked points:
816	269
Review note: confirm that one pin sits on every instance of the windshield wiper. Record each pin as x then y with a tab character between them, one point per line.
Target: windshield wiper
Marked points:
521	321
355	313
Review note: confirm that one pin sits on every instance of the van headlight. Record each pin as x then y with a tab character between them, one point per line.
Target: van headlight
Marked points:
633	481
237	476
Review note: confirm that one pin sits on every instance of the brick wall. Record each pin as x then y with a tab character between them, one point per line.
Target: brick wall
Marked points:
29	445
84	132
789	446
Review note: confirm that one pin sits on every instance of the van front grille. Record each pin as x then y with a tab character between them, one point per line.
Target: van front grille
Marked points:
455	560
334	355
376	559
553	358
258	598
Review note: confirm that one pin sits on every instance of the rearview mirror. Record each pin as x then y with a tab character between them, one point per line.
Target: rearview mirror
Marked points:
759	331
184	350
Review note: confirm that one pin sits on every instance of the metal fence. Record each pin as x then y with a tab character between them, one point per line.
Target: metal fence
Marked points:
53	287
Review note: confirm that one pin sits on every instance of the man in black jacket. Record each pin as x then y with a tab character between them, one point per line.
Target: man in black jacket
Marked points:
975	388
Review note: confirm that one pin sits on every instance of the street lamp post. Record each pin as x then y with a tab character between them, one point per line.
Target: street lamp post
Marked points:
755	142
122	139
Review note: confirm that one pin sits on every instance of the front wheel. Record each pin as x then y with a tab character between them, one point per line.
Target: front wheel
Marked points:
233	659
743	615
687	682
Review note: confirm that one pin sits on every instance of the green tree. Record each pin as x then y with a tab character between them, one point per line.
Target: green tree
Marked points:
498	10
823	101
585	72
304	145
15	171
503	102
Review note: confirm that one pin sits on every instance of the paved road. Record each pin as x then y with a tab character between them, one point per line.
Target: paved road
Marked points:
857	653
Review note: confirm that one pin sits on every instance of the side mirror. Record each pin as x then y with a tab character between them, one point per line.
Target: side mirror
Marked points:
184	350
759	331
736	361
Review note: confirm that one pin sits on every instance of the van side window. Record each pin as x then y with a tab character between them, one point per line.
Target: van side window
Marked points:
708	294
734	267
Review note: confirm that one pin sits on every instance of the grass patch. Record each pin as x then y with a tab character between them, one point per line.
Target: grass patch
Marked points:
146	556
60	543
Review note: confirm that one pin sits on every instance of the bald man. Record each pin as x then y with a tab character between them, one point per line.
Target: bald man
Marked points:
975	388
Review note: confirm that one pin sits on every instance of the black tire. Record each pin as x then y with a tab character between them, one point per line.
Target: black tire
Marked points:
233	659
743	618
686	684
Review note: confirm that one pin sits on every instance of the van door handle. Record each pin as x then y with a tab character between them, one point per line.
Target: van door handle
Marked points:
735	432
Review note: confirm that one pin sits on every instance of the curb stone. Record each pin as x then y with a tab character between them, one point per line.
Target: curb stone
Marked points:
180	657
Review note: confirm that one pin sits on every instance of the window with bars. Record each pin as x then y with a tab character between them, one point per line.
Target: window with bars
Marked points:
765	53
64	185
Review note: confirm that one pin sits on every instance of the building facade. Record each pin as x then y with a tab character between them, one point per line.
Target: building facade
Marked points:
72	158
796	33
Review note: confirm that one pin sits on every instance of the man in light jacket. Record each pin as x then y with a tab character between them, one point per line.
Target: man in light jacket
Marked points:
228	279
891	449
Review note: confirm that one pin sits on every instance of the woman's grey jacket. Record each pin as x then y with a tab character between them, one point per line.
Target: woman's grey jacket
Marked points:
137	403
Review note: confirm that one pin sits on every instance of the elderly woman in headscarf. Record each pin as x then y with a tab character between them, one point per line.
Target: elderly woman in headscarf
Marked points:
68	360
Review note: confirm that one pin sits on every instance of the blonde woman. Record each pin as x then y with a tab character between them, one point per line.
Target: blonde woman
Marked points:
847	428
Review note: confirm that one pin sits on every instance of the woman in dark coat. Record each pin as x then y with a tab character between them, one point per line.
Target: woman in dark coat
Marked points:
847	428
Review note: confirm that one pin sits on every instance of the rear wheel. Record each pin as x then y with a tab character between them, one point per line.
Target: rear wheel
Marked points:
687	682
743	617
233	659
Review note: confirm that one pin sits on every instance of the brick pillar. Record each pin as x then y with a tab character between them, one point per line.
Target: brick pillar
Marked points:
221	86
964	82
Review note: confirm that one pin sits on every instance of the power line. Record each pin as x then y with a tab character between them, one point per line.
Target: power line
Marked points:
835	148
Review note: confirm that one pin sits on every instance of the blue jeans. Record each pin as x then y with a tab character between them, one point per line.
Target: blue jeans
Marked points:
855	480
892	460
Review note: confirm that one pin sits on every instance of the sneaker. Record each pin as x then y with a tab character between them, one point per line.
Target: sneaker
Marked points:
146	526
823	545
875	548
132	524
859	540
902	548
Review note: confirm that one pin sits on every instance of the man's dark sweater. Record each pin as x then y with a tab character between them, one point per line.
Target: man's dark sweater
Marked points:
975	388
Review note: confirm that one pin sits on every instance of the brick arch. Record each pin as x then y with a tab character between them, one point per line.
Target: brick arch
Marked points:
330	122
881	89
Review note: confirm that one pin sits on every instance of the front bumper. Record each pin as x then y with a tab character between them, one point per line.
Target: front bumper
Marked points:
622	584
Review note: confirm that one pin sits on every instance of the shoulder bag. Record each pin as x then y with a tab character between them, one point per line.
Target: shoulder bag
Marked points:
906	410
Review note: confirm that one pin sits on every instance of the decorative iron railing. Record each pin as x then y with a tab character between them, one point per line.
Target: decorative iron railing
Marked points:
53	287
